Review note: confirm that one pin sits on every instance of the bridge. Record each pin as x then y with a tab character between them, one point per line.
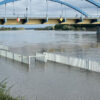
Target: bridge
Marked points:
85	18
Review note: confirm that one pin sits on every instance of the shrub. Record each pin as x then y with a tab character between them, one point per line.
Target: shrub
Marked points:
4	92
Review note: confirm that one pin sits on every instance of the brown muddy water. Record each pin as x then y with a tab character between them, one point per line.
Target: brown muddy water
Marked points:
51	81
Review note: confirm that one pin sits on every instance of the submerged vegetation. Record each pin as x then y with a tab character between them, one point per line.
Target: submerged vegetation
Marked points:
4	92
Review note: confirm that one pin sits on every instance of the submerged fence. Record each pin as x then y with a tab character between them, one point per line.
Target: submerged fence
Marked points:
72	61
14	56
44	57
40	57
3	47
5	52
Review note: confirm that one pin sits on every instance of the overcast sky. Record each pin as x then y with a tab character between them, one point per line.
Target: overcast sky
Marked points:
38	8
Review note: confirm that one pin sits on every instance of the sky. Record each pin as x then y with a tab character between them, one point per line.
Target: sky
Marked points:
37	8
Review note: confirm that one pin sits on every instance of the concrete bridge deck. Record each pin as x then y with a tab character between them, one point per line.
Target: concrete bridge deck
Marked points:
30	21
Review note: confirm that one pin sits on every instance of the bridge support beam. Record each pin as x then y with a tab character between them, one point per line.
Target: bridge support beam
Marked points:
44	21
30	21
24	20
3	21
62	20
94	20
79	21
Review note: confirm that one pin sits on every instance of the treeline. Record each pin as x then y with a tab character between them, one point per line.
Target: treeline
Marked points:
13	28
84	27
77	27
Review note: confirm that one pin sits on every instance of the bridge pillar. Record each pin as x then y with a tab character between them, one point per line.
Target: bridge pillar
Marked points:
98	33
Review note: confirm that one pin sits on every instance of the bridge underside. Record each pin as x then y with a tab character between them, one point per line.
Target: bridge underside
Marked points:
31	21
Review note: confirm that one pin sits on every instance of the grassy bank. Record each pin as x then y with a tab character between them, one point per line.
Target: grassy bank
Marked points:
4	92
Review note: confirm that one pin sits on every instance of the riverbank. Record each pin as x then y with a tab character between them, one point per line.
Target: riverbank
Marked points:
74	27
4	92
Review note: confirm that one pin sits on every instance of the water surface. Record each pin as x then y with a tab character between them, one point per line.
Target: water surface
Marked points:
51	81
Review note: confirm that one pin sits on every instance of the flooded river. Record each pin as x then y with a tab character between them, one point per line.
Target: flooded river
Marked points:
51	81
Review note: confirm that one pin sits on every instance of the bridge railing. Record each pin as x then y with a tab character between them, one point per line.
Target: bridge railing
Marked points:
43	16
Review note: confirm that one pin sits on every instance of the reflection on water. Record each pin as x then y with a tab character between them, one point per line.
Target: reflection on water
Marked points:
78	44
51	81
98	38
36	37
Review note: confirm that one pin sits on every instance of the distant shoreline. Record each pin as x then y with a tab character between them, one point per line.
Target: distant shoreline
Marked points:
7	29
58	27
74	27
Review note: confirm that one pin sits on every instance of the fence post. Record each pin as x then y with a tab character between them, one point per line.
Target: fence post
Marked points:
13	56
0	52
6	53
87	64
21	59
29	62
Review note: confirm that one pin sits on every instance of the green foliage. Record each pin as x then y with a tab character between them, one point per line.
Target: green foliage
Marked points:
78	27
46	28
63	27
4	92
58	27
83	28
68	27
